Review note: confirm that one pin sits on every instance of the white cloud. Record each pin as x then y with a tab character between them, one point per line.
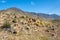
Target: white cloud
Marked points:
49	13
32	3
3	1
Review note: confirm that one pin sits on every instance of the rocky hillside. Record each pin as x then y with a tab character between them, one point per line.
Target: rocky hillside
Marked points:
16	24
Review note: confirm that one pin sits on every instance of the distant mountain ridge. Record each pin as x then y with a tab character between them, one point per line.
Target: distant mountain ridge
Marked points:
43	15
52	16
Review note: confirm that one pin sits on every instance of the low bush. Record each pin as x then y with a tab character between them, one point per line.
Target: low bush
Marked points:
6	25
14	20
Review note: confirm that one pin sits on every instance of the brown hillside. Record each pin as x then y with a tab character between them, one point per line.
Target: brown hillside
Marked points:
18	25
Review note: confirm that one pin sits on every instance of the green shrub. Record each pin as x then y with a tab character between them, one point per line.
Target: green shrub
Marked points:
22	17
14	20
15	17
6	25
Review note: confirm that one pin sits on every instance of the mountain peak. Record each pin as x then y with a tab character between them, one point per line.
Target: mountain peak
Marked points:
14	8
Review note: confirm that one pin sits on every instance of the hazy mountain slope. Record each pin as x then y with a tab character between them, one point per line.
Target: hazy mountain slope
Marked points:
47	16
16	24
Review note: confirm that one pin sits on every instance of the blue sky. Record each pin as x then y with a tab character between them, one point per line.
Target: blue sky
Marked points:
39	6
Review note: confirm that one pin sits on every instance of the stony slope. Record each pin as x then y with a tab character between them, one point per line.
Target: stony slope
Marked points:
18	25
